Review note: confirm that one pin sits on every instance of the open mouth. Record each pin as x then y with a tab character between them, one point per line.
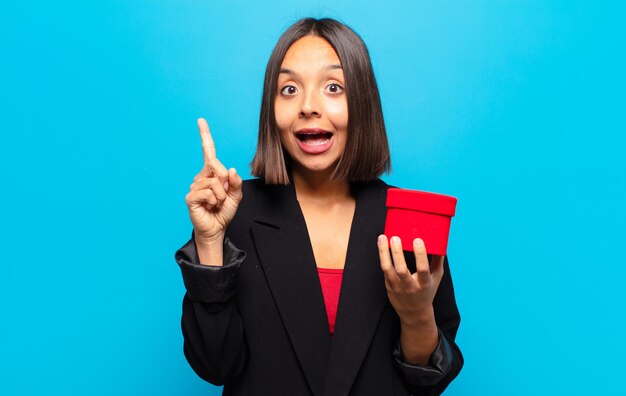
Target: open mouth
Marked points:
314	138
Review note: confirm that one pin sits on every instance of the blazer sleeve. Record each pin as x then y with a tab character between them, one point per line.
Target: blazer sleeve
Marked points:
214	339
446	361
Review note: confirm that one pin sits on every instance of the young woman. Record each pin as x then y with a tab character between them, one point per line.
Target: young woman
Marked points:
291	287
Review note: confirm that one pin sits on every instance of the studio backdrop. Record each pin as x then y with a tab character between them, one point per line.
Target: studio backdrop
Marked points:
515	107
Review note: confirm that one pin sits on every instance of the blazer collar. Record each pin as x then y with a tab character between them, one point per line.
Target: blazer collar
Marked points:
330	364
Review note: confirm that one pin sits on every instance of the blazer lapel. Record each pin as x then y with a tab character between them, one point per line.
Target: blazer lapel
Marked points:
284	248
363	296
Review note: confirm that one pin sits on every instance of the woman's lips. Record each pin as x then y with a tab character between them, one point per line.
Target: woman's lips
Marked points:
314	141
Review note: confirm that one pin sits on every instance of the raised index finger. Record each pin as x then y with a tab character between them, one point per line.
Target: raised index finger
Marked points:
208	147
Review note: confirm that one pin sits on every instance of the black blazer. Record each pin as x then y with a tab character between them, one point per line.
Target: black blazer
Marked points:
258	325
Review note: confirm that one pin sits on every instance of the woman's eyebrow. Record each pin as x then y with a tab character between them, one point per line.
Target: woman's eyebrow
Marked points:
284	70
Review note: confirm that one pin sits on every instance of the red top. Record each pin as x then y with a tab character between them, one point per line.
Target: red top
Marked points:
331	285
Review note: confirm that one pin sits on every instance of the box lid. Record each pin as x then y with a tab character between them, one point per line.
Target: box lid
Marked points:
422	201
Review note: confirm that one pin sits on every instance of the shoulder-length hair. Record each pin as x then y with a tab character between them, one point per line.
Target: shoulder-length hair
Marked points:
366	155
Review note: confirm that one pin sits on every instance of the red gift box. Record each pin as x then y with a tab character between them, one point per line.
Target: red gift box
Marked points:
420	214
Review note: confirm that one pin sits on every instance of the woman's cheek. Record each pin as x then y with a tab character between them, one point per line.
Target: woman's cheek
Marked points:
338	114
283	112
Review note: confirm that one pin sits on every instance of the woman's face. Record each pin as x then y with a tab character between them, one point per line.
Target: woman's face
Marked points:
311	108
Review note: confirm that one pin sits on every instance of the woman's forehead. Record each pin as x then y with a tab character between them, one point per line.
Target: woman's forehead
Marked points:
310	51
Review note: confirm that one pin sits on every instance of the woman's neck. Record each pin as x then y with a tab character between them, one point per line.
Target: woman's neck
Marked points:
319	187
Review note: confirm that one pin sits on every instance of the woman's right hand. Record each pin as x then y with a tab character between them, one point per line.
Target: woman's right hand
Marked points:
214	195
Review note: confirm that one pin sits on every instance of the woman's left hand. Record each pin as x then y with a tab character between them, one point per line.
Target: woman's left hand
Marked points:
411	295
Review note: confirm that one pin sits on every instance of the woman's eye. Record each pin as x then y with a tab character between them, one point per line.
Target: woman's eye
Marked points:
334	88
288	90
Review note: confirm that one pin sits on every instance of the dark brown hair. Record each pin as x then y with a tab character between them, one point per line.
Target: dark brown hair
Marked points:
366	155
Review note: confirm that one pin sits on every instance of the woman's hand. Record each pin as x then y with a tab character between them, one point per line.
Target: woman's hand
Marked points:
411	295
214	195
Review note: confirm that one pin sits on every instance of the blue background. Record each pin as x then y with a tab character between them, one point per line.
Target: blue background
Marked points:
515	107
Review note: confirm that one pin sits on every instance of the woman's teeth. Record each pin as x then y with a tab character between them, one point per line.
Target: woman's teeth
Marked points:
315	139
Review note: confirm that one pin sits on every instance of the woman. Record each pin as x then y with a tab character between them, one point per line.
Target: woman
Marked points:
291	287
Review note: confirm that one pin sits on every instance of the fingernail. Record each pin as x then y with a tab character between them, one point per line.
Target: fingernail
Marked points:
381	238
395	240
226	186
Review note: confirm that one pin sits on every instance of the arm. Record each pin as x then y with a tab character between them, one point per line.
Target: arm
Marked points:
212	328
425	355
446	361
214	339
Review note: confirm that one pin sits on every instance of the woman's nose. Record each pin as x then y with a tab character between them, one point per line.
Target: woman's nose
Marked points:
310	104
